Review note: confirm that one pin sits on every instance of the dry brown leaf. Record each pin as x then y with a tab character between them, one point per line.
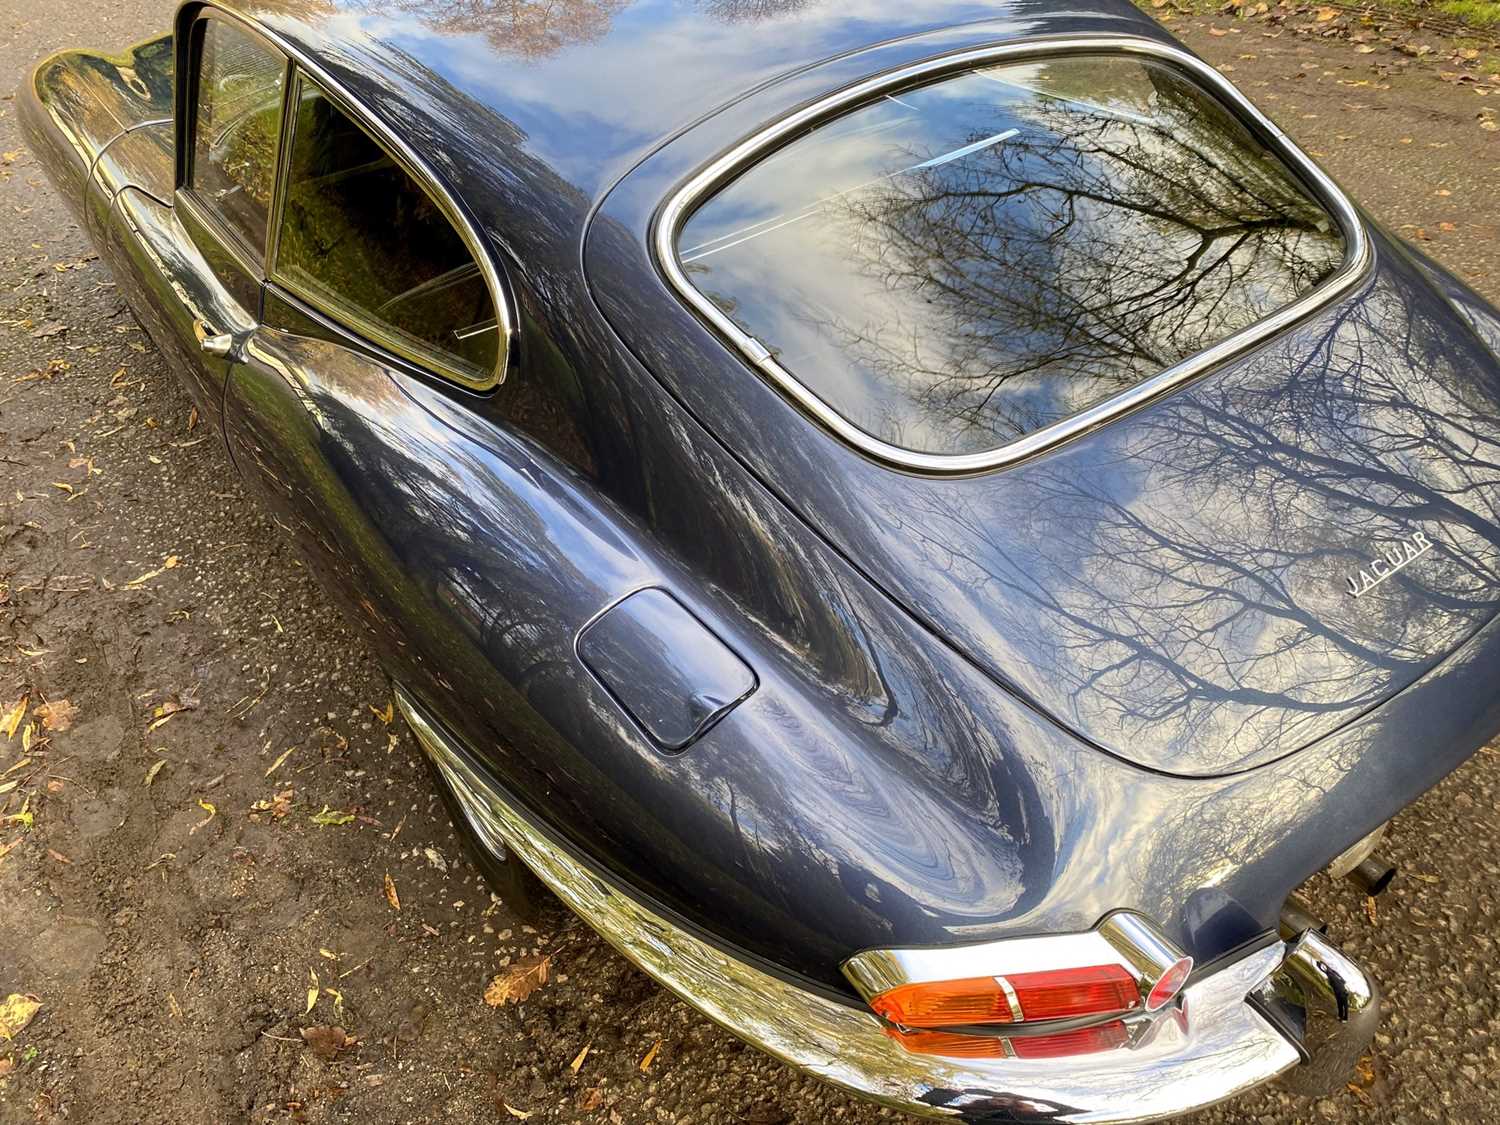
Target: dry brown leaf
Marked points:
326	1042
1323	15
590	1099
577	1064
59	857
1370	909
58	714
650	1056
519	981
16	1011
390	893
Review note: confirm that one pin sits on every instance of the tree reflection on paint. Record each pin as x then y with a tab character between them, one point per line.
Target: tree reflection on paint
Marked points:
951	303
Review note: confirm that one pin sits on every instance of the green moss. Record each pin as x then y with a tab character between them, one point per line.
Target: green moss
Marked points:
1480	13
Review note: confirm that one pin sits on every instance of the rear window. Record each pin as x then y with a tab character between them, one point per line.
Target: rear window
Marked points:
954	266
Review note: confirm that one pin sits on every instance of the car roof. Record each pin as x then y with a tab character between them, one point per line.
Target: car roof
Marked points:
589	87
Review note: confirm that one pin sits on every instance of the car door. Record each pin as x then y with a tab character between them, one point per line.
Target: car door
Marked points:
377	306
193	263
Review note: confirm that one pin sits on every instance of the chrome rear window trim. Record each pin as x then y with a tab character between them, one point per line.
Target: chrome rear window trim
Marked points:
701	186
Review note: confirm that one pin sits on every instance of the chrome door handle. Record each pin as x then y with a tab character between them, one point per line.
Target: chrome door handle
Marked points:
220	345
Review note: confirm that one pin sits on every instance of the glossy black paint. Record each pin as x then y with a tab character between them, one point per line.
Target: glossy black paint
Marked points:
898	776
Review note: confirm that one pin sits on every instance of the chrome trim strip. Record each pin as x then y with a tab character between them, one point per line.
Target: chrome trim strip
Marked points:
673	215
1214	1047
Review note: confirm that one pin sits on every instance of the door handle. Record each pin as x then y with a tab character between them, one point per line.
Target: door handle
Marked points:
221	344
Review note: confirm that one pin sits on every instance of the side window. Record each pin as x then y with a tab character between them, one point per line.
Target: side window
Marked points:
236	128
359	238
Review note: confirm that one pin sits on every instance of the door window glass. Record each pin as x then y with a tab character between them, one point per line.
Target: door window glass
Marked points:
236	128
360	238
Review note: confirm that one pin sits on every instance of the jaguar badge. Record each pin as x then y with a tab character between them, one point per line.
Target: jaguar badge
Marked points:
1394	557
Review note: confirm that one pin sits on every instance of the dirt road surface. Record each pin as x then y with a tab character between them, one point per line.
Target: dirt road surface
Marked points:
176	936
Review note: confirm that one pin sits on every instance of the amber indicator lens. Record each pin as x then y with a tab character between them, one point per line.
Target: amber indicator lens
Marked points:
948	1044
1169	985
1051	994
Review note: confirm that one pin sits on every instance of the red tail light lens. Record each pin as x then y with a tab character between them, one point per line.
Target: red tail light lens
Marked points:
1081	1041
1052	994
1075	992
1170	984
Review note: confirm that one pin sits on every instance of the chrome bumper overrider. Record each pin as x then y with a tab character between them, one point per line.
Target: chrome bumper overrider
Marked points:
1215	1044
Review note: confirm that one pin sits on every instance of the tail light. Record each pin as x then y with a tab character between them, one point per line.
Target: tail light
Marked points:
1012	998
1123	965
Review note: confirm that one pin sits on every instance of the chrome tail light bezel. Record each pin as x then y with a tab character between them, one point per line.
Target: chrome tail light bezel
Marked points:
1124	938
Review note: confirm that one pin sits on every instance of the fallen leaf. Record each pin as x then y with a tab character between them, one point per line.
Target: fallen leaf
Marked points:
390	893
8	786
330	816
58	714
51	328
590	1099
384	716
192	419
1364	49
276	765
13	717
1447	227
278	805
165	712
21	765
16	1011
59	857
312	990
1370	909
577	1064
1323	15
520	1114
519	981
174	1005
650	1056
152	772
206	806
326	1042
167	564
63	485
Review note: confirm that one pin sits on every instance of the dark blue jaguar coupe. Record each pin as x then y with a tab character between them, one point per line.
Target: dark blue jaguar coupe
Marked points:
924	523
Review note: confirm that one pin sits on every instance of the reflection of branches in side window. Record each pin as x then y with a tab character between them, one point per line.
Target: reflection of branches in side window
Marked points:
1069	262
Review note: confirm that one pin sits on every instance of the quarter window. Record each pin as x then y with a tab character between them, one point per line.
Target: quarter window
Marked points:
361	239
236	128
954	266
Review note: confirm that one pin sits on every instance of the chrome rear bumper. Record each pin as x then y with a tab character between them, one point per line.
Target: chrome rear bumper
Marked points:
1222	1039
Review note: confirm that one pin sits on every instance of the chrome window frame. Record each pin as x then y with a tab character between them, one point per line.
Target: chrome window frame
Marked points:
299	64
697	190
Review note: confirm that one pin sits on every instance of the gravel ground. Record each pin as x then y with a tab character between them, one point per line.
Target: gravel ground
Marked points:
175	935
